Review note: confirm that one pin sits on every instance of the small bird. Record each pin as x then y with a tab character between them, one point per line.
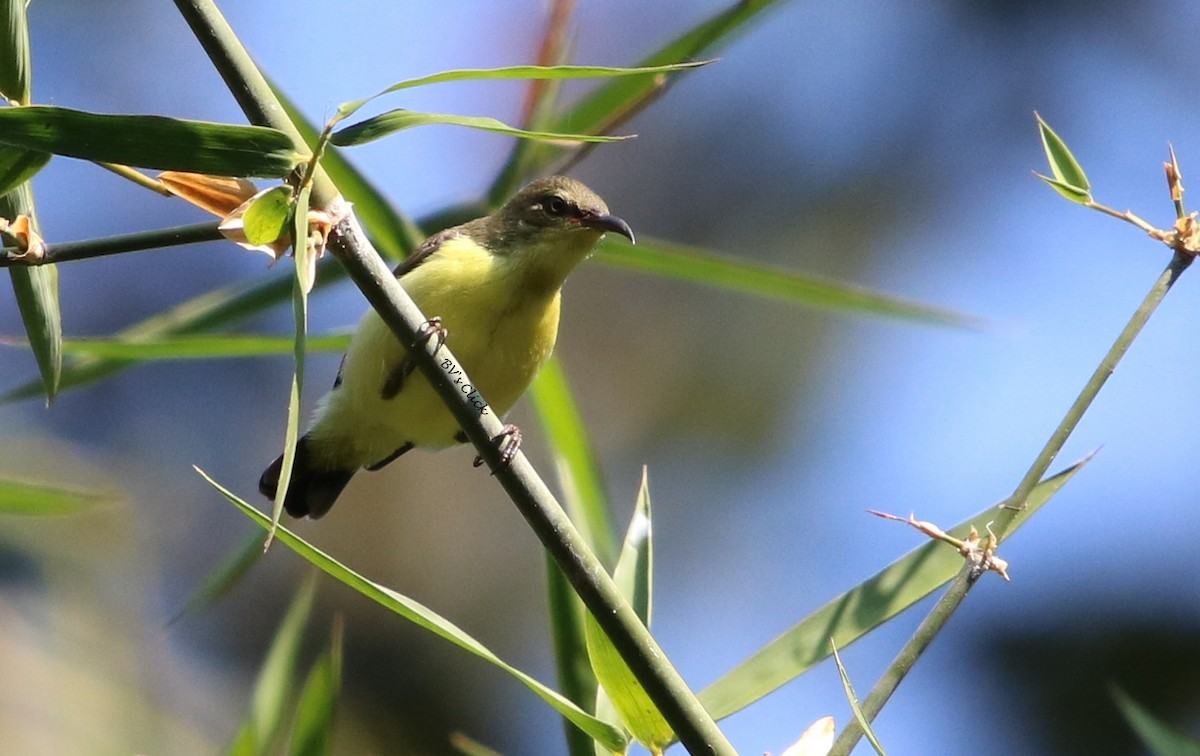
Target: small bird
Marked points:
492	287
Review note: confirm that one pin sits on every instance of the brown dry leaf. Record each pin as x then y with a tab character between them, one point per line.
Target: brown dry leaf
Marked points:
219	195
30	242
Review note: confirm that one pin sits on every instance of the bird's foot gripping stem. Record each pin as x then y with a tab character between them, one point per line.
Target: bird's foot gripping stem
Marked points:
508	442
430	329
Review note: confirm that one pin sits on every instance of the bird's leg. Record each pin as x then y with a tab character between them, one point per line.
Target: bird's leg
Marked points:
508	442
395	382
390	458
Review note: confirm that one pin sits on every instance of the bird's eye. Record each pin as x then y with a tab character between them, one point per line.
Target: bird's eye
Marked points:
555	205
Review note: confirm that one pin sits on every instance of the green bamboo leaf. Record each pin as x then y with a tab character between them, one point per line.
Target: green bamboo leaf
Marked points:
394	234
428	619
398	120
858	611
305	268
14	53
18	166
45	499
193	346
313	732
150	141
517	72
266	219
213	309
1157	736
852	698
575	677
662	258
620	688
36	292
616	100
1075	194
222	578
1063	165
276	679
574	460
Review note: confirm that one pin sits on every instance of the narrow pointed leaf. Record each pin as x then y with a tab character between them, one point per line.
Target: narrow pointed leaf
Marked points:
858	611
615	100
427	619
621	689
18	166
313	732
305	260
852	698
1062	163
222	578
150	141
1156	735
193	346
518	72
35	498
276	678
392	232
398	120
14	53
1073	193
574	459
670	260
36	292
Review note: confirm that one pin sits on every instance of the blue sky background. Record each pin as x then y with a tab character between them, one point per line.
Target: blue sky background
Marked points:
883	144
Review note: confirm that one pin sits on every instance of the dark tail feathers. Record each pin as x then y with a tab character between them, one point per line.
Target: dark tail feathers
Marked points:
312	491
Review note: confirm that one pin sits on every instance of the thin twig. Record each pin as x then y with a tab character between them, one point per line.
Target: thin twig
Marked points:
115	245
954	596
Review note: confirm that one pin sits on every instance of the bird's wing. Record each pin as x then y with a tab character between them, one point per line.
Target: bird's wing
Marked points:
407	265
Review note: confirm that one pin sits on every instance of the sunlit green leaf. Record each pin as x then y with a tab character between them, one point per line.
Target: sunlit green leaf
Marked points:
150	141
662	258
36	292
517	72
1157	736
393	233
633	579
14	53
398	120
1066	169
429	620
1075	194
852	698
193	346
267	216
858	611
18	166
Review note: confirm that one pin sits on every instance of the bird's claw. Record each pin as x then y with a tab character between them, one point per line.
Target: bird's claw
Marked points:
508	442
429	329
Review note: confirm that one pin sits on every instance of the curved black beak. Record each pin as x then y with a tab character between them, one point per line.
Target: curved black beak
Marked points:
606	222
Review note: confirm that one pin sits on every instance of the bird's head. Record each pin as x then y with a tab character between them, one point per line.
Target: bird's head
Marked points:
552	224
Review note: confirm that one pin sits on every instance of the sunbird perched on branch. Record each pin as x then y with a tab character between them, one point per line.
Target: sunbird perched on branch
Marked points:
492	287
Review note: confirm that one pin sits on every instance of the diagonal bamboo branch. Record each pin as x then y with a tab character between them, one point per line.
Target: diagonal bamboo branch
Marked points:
668	691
